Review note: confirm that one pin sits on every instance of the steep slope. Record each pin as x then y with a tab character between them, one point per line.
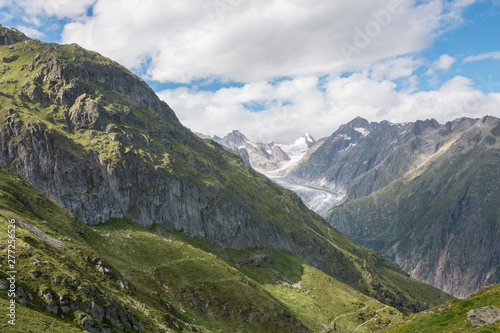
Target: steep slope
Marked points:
97	141
440	221
122	276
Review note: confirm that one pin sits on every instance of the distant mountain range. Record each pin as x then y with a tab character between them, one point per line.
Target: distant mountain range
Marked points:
416	192
264	157
274	160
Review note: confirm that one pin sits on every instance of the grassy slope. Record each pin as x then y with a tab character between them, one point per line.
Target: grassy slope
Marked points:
453	315
174	280
32	321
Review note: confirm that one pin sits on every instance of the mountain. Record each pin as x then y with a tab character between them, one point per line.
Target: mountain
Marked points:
362	157
316	198
439	219
300	146
92	156
260	156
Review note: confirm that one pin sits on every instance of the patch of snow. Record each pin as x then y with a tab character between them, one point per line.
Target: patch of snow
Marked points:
350	145
363	131
298	148
283	166
309	137
299	141
295	151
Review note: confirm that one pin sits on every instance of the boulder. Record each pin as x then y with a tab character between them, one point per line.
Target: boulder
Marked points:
484	316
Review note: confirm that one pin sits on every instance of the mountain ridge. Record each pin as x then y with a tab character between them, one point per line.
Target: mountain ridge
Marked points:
440	220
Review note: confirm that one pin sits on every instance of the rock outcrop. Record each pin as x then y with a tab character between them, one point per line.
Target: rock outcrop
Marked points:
484	316
362	157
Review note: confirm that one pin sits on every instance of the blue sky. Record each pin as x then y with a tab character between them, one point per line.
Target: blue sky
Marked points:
276	69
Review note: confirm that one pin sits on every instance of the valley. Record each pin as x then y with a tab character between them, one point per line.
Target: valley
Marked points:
127	221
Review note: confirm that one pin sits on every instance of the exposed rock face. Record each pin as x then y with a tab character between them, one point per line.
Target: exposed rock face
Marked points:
483	316
438	221
11	36
95	188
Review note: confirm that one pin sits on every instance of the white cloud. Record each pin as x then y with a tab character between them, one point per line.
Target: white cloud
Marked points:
41	18
445	62
257	41
254	40
396	68
319	108
484	56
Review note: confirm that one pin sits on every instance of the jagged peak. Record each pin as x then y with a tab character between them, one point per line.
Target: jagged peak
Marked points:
10	36
236	134
359	122
309	137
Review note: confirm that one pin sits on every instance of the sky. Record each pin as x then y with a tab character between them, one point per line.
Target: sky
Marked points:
275	69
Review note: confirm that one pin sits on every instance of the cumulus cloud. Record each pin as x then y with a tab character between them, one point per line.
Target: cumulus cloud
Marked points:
41	12
249	41
302	105
395	68
445	62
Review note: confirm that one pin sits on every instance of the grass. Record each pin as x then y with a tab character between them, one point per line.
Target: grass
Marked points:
322	304
248	281
453	315
32	321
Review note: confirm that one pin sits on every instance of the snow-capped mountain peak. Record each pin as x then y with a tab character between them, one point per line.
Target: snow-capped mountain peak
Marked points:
300	146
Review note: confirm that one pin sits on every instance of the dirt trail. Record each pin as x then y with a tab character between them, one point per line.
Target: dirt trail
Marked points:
376	315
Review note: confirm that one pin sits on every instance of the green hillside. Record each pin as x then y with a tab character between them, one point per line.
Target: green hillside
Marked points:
452	316
162	279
